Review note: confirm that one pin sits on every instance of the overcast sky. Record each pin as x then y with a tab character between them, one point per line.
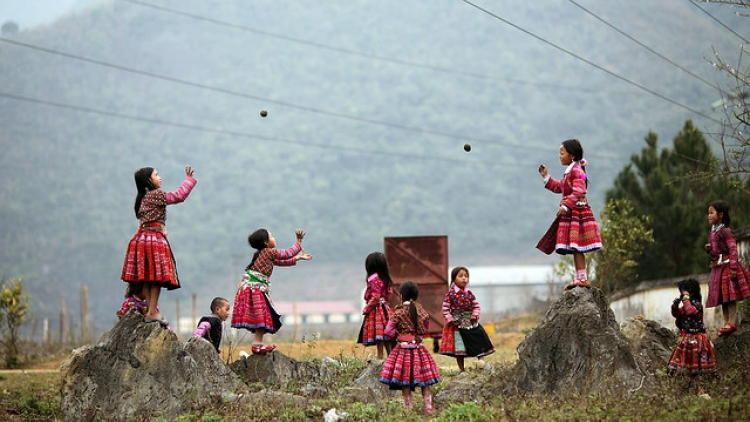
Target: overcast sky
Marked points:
29	13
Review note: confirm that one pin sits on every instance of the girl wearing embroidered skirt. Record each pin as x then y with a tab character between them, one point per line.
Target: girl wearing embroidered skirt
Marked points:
410	364
729	281
253	309
462	334
574	230
377	311
694	353
149	260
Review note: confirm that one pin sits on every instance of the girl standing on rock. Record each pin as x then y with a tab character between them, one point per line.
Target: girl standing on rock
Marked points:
694	353
377	311
574	230
729	281
253	309
149	258
410	364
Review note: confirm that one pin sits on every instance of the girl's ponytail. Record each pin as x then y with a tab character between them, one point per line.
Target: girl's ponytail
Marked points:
413	314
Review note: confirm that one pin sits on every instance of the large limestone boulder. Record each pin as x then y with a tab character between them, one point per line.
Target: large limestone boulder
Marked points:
728	348
577	348
465	387
651	343
276	369
138	371
367	388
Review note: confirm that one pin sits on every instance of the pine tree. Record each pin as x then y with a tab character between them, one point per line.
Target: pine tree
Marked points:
673	187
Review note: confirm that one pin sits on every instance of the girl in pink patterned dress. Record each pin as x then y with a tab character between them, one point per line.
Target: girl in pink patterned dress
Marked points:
729	281
577	231
410	364
253	309
377	311
149	258
463	335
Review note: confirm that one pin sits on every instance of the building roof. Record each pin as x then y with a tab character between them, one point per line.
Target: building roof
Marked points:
316	308
510	275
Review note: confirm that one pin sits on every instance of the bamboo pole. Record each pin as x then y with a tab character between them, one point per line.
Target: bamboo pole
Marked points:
85	332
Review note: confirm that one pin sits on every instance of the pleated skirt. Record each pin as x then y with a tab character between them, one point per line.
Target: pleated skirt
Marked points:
578	232
149	259
694	354
409	367
373	326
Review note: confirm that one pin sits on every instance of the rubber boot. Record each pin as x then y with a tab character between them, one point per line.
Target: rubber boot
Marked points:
407	402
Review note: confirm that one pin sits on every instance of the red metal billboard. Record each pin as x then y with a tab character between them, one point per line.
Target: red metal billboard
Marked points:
424	260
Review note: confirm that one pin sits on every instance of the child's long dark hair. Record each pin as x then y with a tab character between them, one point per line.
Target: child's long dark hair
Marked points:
409	292
376	263
691	286
143	184
257	241
722	207
454	274
574	148
133	289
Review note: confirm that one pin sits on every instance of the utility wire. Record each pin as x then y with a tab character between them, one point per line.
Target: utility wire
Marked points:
351	52
590	63
695	3
16	97
711	84
453	136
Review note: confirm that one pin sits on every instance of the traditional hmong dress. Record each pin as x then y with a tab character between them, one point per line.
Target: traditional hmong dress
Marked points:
409	364
210	328
577	230
468	338
253	307
694	352
724	261
377	311
149	257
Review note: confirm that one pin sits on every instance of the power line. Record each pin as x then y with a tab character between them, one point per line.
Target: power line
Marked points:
349	51
695	3
712	85
590	63
453	136
251	136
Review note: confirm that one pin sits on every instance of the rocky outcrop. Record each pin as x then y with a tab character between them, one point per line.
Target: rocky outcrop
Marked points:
728	348
651	343
577	348
137	371
367	387
275	369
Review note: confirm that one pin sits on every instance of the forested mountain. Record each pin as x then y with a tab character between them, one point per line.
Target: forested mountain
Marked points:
369	105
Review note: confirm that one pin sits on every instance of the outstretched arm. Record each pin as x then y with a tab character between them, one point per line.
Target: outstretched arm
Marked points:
184	190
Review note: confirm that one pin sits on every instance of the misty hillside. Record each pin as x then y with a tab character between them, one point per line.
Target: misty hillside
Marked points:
369	105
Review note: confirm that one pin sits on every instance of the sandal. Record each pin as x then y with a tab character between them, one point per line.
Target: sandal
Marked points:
727	329
160	320
262	350
578	283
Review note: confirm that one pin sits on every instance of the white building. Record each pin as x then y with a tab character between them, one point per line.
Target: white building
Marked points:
506	290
